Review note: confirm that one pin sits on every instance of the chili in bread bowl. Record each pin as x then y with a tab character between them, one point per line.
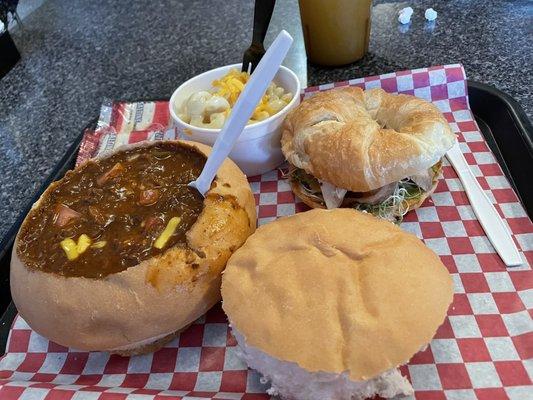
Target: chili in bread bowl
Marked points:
353	148
120	254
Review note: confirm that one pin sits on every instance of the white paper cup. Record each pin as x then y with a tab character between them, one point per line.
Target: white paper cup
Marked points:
258	149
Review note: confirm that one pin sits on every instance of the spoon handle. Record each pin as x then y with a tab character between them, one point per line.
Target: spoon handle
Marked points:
243	109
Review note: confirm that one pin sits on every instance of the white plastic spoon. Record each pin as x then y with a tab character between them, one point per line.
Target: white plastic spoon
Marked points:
243	109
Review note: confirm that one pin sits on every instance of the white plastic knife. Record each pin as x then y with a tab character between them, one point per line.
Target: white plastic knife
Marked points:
488	217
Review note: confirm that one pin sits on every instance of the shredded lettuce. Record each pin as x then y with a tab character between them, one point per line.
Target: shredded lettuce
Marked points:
396	205
309	183
391	209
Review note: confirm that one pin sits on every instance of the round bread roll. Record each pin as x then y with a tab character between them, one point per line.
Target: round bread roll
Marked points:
363	140
340	300
140	308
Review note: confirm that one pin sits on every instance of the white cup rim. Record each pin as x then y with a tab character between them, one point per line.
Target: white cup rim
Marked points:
280	113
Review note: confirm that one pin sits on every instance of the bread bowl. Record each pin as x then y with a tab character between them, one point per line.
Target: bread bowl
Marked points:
353	148
118	297
340	300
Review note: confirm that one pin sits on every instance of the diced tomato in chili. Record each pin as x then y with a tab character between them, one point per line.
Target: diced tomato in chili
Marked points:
64	215
115	171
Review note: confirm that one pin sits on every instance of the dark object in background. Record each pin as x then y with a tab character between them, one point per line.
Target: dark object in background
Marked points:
9	54
262	14
509	134
10	6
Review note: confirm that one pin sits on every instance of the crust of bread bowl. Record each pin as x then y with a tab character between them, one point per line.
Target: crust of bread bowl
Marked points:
363	140
411	204
336	291
130	311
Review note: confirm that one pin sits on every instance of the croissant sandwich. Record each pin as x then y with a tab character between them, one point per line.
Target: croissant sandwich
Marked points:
370	150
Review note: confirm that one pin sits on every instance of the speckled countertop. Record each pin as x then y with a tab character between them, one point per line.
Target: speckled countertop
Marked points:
75	53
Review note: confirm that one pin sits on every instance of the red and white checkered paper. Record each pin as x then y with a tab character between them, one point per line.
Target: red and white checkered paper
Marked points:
483	350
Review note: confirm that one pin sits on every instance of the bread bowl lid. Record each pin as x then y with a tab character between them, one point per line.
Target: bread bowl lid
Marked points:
335	291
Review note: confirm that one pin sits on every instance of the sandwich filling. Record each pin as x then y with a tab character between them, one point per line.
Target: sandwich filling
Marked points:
390	201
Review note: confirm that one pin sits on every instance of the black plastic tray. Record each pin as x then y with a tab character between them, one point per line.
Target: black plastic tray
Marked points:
502	121
508	133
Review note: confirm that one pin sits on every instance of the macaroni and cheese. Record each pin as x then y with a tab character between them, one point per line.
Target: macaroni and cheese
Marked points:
209	109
